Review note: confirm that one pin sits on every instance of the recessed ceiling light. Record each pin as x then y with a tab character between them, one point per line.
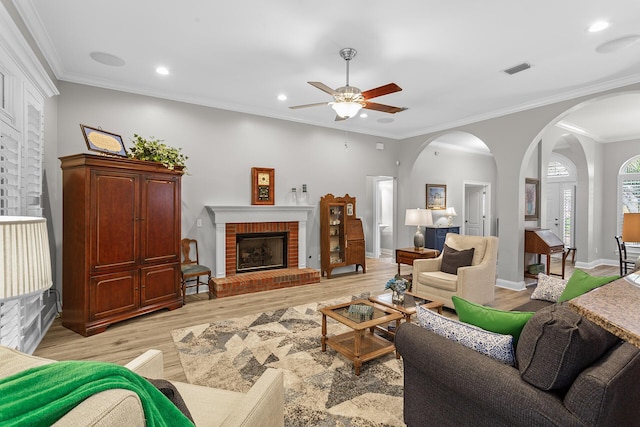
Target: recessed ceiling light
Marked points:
107	59
282	97
164	71
364	115
598	26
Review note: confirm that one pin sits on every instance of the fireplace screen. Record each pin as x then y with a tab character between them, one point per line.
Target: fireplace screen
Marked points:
261	251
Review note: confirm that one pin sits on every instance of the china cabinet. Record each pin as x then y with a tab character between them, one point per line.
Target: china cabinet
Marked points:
341	234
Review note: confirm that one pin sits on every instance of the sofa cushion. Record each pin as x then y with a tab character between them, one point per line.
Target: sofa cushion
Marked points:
492	319
581	282
496	346
549	288
556	344
462	242
452	259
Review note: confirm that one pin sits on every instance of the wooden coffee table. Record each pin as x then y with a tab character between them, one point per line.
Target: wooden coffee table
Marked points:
408	308
361	344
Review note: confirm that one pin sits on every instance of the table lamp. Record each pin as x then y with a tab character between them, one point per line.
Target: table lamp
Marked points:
631	231
451	212
26	262
418	217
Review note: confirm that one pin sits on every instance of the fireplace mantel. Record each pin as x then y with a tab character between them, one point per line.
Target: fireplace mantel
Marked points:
221	215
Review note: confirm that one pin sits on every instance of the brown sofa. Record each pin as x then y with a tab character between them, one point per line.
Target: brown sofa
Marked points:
570	372
262	405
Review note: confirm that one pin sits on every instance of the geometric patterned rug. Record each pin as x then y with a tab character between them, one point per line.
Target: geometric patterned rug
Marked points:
321	389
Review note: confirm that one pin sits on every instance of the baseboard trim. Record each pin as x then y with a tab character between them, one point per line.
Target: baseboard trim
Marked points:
514	286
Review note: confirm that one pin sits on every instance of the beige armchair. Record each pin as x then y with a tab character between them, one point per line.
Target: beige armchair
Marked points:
262	405
475	283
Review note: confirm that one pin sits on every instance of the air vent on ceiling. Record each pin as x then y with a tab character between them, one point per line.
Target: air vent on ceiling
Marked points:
516	69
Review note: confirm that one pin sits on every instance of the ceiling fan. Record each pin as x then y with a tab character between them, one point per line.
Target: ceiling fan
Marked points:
348	100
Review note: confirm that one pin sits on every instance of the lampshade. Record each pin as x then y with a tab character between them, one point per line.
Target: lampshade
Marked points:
346	110
24	250
631	227
451	211
418	217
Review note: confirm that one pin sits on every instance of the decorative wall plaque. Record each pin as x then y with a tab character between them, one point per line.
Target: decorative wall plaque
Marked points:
103	142
262	186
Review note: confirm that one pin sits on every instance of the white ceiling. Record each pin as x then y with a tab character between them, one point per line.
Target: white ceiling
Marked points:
447	56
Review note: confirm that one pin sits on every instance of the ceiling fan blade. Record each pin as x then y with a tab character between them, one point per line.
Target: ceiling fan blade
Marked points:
383	108
317	104
382	90
323	87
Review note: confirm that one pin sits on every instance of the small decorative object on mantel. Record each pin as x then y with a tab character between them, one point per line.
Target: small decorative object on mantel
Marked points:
103	142
262	186
398	286
154	150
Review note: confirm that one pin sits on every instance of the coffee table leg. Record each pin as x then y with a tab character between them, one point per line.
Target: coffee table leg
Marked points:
397	326
324	332
357	350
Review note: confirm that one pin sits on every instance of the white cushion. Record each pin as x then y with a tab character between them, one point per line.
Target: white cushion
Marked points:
549	288
496	346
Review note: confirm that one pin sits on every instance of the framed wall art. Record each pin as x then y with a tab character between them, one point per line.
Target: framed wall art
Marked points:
103	141
436	196
531	199
262	186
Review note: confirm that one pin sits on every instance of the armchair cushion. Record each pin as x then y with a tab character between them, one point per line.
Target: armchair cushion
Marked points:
492	319
557	344
452	259
496	346
581	282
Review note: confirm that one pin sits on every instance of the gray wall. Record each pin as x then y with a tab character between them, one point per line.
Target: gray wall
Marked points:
222	147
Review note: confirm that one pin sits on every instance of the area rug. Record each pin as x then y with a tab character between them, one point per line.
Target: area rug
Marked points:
321	389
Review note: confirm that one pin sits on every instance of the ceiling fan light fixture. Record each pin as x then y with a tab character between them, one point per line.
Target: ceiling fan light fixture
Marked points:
346	110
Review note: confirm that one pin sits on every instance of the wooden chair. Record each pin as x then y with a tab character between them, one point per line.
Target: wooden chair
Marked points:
191	270
624	261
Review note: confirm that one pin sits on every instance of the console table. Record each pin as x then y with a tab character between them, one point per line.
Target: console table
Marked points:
407	255
434	236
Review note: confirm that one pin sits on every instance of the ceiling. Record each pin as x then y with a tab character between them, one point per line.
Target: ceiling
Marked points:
448	57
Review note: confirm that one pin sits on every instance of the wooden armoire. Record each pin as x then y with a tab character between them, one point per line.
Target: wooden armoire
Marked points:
121	240
341	234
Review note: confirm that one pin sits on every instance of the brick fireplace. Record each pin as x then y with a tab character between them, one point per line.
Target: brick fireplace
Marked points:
229	221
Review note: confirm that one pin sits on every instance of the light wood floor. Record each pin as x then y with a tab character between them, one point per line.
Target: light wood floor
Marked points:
126	340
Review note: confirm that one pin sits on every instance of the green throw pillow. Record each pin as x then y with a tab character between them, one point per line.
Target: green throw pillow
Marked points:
580	283
492	319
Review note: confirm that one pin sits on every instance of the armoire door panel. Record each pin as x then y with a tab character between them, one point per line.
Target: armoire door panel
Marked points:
113	294
114	239
160	209
159	284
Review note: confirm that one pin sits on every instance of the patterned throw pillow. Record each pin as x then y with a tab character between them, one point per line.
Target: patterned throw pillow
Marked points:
549	288
496	346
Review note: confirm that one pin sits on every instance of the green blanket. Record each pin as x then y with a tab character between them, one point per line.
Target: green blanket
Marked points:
40	396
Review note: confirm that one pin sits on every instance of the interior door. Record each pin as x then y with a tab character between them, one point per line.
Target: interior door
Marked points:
474	215
554	211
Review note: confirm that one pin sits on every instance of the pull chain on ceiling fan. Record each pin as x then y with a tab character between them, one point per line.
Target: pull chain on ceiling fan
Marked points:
348	100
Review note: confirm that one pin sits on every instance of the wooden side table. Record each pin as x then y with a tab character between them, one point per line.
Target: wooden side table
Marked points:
408	255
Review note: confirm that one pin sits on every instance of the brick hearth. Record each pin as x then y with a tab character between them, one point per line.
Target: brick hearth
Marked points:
263	281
